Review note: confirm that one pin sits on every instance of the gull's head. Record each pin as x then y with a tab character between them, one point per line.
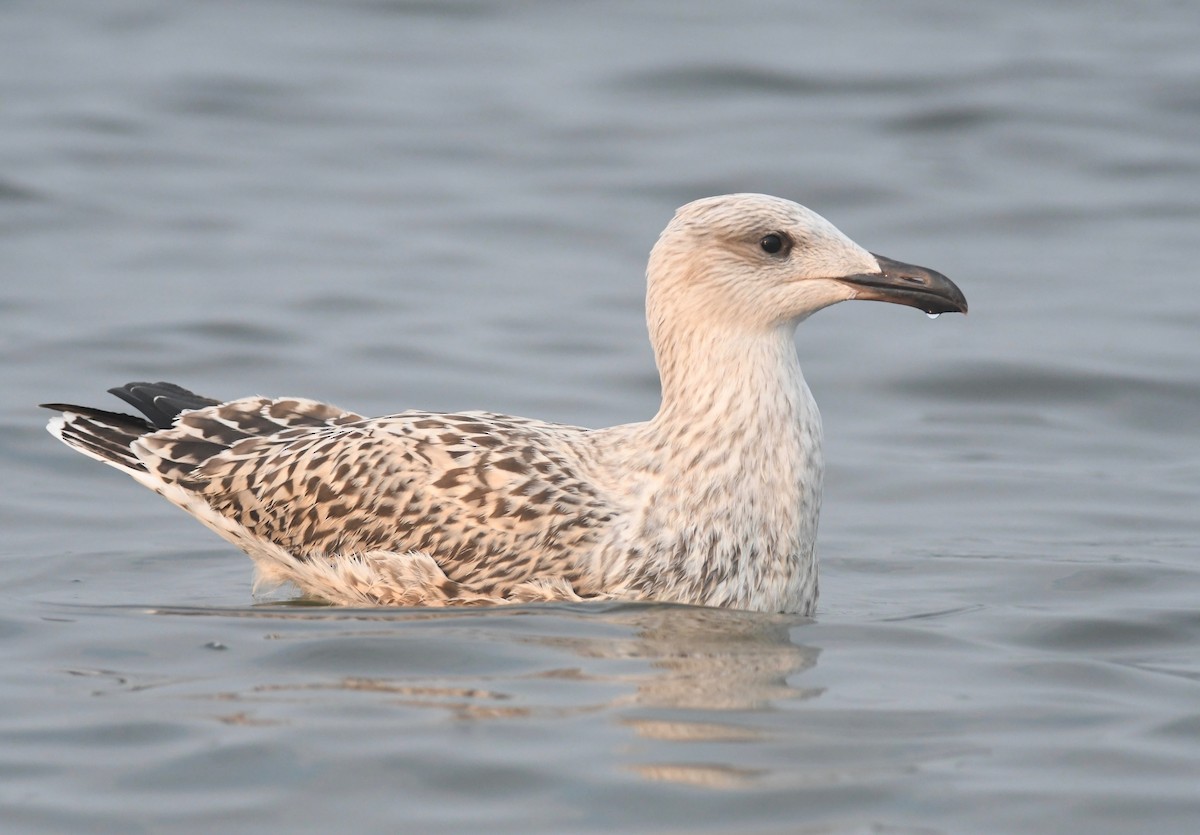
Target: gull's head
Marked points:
756	262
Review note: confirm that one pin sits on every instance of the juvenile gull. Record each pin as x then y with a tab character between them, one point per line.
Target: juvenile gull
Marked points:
713	502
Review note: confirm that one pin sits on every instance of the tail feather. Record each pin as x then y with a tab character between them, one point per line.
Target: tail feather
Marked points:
102	439
109	436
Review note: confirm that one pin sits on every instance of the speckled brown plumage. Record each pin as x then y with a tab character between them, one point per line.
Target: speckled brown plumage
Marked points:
714	501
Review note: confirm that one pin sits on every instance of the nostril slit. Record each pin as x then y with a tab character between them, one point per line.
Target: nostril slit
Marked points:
911	279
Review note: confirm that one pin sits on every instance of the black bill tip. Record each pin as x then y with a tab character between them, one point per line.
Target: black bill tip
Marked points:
908	284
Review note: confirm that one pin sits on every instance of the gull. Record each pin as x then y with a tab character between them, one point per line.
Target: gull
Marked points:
712	502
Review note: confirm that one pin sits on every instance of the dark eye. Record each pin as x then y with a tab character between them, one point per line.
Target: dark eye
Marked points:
774	243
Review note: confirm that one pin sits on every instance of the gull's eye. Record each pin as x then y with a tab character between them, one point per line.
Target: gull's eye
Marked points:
775	243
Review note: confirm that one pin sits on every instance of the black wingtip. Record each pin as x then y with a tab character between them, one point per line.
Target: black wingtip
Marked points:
104	416
161	402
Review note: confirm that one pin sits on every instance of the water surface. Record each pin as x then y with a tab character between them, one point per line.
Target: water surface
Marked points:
395	205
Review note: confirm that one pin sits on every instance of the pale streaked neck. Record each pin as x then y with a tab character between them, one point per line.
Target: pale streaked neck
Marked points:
730	381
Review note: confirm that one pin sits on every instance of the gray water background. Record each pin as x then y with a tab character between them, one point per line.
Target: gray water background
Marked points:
448	205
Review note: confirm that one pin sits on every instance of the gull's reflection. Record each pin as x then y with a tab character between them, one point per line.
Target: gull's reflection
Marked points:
701	658
709	667
680	679
704	659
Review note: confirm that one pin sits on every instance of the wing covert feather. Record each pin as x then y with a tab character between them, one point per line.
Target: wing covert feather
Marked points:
493	499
